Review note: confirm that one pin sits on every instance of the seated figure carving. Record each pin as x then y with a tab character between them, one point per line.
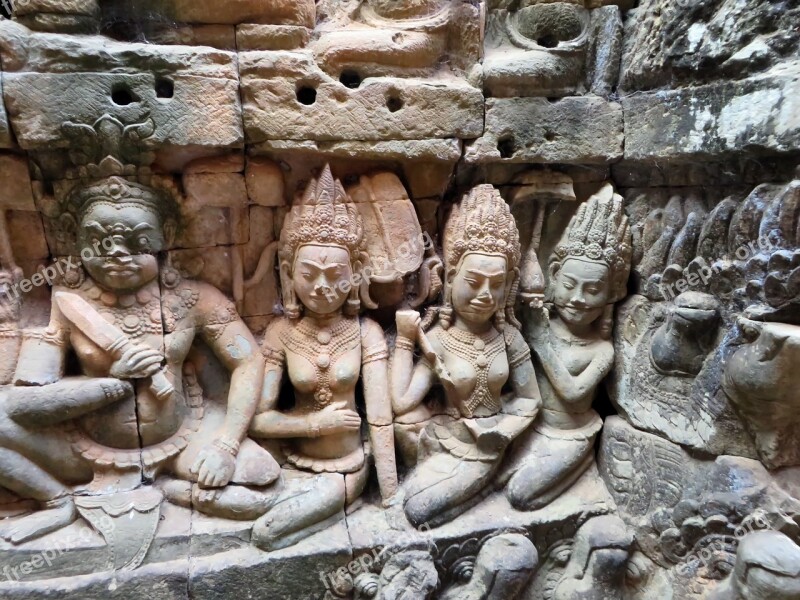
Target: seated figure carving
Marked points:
326	349
570	340
134	410
474	349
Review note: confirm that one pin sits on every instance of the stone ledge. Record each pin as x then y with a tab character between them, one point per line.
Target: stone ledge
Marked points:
573	130
712	122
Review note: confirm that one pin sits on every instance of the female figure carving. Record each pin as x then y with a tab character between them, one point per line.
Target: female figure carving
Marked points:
474	349
570	338
326	349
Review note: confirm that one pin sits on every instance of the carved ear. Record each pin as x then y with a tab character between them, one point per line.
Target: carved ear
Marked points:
553	270
451	274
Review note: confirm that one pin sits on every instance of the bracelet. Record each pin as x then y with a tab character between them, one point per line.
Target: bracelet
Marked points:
403	343
227	445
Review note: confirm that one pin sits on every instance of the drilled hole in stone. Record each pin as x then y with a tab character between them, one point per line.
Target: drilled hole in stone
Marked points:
165	88
549	136
350	79
306	95
553	99
122	96
547	41
506	146
393	103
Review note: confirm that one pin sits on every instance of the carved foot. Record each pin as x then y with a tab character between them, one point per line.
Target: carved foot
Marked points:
41	523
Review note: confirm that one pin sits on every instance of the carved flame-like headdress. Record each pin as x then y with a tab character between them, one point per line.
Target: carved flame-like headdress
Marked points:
324	215
482	223
600	232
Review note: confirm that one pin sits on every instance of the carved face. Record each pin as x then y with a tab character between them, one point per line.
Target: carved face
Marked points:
580	291
119	244
479	287
322	277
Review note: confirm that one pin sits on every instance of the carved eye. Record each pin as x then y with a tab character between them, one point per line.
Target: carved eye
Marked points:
568	285
472	282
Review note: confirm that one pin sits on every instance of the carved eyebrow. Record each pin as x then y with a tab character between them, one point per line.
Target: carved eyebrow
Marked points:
142	227
95	226
310	263
495	275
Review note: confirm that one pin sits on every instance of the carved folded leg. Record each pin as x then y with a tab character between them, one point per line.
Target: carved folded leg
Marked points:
544	467
29	461
24	477
71	398
306	505
444	486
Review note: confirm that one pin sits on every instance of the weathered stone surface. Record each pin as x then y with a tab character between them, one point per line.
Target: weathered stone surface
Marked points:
446	150
5	129
285	97
264	180
552	49
89	8
181	120
191	95
253	36
280	12
670	42
15	183
753	116
585	130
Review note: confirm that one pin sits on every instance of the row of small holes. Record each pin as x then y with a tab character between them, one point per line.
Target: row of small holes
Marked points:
123	96
307	96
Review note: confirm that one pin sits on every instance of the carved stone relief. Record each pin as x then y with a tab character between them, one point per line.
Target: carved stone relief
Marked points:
431	299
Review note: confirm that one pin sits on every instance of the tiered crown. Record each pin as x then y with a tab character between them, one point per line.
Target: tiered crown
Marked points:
482	223
324	216
600	232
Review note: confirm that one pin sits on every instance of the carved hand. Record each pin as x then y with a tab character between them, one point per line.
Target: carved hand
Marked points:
336	418
538	323
488	438
214	467
137	362
408	322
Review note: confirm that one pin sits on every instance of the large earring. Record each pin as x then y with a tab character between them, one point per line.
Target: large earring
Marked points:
291	307
353	306
446	311
607	322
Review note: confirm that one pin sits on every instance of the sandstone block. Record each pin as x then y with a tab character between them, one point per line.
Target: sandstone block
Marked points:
264	180
253	36
279	12
5	130
585	130
286	97
15	184
760	115
89	8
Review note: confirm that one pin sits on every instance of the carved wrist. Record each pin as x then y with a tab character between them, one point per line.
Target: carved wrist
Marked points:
403	343
227	445
313	430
